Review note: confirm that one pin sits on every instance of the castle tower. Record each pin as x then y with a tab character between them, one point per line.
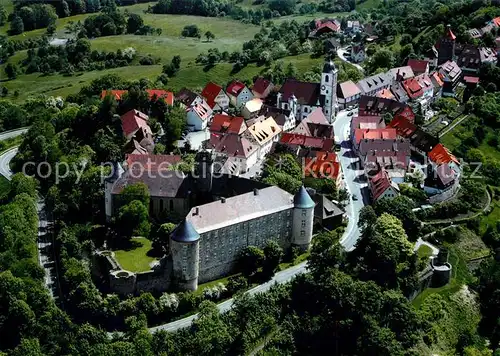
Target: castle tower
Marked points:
204	168
446	46
116	173
185	249
328	90
303	217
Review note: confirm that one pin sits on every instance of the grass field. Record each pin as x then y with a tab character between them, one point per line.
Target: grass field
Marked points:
424	251
191	76
135	259
367	4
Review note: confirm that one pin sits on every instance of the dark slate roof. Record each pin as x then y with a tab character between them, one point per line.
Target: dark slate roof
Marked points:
186	96
185	232
423	140
328	67
303	200
306	93
173	184
325	208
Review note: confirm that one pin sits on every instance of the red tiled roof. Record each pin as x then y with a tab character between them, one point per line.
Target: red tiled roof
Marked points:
202	110
133	120
306	141
438	78
406	113
167	96
403	127
496	21
413	88
324	165
424	81
210	93
449	33
317	117
116	93
379	183
235	88
151	163
230	124
261	85
440	154
374	134
418	66
232	145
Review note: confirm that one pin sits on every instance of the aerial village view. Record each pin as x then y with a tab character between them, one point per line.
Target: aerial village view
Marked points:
250	177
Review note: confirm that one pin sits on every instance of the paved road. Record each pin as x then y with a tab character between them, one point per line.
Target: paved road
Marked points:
353	177
45	236
12	133
280	277
341	52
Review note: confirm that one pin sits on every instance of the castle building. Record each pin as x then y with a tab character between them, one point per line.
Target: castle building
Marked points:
301	98
446	46
223	215
208	243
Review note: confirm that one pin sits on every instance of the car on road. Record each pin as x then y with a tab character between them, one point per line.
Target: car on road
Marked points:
354	197
350	113
445	123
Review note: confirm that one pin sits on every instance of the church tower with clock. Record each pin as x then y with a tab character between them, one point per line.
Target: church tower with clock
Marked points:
328	90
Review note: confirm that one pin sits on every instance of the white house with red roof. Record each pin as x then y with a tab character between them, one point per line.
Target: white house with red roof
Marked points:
238	93
382	187
198	116
262	88
167	96
215	97
263	132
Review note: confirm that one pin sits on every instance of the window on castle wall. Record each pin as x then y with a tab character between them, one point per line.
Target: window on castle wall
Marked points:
327	78
303	223
304	212
302	233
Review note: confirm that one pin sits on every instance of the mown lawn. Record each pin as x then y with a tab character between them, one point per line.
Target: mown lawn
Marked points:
191	76
367	4
424	251
135	258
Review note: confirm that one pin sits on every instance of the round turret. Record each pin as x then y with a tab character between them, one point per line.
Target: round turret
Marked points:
303	219
185	249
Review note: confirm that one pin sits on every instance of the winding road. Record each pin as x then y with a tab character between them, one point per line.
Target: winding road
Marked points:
45	238
341	52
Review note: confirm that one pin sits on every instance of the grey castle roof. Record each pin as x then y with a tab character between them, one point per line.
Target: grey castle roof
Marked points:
185	232
240	208
303	200
328	67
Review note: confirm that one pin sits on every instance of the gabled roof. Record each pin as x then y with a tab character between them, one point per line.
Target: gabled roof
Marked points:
202	110
307	141
367	122
379	183
424	81
232	145
403	127
314	130
437	79
210	93
261	85
323	165
496	21
317	117
325	208
186	96
228	124
471	80
281	116
375	82
371	105
235	88
450	70
404	72
418	66
374	134
133	120
440	155
306	93
264	130
413	88
167	96
347	89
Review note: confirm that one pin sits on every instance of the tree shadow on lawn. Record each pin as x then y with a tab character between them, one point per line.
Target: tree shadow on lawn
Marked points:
126	244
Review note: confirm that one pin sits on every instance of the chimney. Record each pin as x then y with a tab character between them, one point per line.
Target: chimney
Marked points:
255	191
196	211
223	200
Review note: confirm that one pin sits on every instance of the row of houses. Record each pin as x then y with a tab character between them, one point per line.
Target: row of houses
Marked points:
390	152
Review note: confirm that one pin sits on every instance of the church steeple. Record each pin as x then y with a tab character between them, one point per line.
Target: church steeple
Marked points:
328	89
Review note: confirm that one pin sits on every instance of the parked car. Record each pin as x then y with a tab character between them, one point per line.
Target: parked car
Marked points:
350	113
354	197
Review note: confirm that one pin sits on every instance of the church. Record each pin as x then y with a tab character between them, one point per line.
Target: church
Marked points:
303	97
